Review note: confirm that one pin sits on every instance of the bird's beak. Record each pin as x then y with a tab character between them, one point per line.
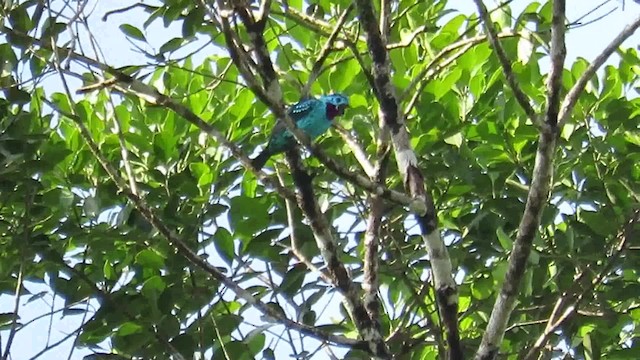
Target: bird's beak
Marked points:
342	108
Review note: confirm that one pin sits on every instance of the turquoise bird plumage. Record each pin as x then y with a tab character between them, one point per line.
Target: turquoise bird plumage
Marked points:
312	116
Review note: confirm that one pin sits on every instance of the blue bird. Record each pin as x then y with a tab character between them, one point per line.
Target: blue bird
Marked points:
312	116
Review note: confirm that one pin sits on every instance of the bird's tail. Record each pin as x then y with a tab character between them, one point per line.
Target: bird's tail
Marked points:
259	161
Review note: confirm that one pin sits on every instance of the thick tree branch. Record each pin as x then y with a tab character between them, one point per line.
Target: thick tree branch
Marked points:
558	54
392	118
326	243
372	241
520	96
537	197
572	96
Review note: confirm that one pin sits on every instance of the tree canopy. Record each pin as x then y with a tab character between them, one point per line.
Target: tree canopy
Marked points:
478	199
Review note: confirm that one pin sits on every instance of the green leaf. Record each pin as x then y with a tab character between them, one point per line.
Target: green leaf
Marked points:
109	272
20	20
129	328
357	100
242	104
482	288
504	239
6	318
133	32
344	75
52	29
225	245
171	45
455	139
152	287
151	259
293	280
17	96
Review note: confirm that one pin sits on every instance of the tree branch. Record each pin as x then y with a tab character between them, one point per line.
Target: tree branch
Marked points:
326	243
372	243
572	96
554	322
13	329
439	61
392	118
536	198
520	96
324	53
356	149
558	54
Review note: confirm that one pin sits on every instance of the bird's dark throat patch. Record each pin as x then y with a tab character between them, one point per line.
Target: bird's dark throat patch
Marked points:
333	111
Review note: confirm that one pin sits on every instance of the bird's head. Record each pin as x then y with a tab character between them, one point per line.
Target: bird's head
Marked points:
336	104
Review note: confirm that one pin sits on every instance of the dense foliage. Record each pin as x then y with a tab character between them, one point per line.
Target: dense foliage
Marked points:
69	225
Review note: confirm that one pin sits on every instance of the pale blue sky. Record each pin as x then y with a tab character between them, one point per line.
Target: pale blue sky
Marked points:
585	42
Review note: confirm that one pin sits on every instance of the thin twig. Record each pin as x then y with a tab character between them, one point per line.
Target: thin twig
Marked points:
106	15
124	152
324	53
572	96
58	343
16	306
438	61
520	96
356	149
554	322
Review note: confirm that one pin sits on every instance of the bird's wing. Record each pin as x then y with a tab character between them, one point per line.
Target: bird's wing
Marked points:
280	137
300	109
297	112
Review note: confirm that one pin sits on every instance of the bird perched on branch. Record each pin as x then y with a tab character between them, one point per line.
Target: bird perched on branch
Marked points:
312	116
